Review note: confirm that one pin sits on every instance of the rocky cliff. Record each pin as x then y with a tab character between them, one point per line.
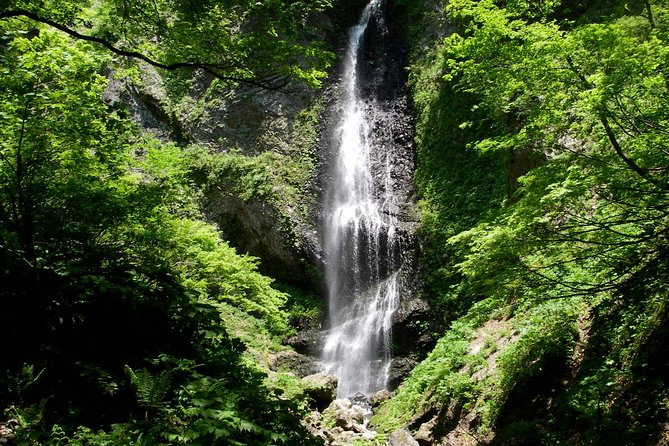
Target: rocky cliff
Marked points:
263	158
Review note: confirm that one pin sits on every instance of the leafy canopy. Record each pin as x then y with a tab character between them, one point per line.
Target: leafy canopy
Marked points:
118	295
261	43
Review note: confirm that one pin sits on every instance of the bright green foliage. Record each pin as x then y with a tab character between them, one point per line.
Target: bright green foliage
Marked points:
241	40
209	266
458	184
574	262
52	146
593	100
115	291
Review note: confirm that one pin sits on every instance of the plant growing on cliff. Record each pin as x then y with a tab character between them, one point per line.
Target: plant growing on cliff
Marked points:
582	241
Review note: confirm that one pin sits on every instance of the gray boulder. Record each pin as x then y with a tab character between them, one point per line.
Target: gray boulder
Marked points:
322	388
379	397
402	437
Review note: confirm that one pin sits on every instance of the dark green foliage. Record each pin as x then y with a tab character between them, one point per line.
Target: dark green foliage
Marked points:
150	389
114	291
458	184
570	270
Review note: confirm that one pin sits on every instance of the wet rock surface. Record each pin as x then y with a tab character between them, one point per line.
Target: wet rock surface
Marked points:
382	79
392	130
306	342
413	326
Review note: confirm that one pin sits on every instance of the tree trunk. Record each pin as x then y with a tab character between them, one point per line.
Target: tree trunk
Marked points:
649	11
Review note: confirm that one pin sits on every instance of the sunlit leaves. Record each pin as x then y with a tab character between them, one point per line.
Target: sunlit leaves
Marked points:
563	89
258	43
208	265
102	244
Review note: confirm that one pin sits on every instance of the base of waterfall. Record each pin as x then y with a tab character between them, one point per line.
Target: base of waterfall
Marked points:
344	422
341	423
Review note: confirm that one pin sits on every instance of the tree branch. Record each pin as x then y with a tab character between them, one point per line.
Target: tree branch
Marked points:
619	151
610	134
649	10
212	69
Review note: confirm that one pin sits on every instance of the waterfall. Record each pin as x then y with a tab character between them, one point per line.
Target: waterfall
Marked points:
360	241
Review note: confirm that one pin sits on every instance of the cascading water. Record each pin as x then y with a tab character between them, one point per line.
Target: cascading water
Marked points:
361	246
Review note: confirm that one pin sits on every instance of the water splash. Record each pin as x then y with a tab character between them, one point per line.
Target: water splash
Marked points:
360	240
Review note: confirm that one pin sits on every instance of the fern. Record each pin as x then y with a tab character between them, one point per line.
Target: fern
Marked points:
150	389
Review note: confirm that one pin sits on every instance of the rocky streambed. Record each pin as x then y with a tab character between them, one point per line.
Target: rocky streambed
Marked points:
344	421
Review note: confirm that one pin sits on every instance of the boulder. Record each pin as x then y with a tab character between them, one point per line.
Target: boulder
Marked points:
346	415
379	397
322	388
424	435
402	437
300	365
360	399
349	423
313	423
8	431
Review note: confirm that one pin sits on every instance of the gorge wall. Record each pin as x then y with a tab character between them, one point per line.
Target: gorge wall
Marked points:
381	86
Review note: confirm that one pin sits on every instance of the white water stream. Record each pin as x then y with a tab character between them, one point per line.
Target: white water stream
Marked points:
360	245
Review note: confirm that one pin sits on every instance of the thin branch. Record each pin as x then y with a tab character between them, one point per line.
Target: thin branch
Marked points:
619	150
212	69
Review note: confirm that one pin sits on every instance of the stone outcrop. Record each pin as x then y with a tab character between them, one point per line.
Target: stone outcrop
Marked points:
298	364
379	397
250	121
306	342
321	388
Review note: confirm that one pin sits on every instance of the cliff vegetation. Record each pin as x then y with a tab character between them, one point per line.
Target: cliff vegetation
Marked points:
542	169
159	183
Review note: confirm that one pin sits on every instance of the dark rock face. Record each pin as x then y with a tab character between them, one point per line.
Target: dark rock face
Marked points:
382	80
255	121
146	103
251	121
257	228
307	342
411	324
384	57
300	365
400	368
